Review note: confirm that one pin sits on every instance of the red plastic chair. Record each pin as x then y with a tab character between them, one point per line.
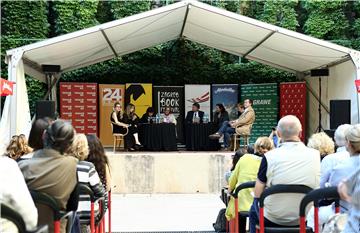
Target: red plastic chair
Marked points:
277	189
234	224
94	221
49	201
315	196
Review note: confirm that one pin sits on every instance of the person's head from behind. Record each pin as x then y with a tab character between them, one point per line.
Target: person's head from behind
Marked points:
36	133
167	111
289	128
130	109
59	136
150	111
220	108
248	103
97	154
79	148
321	142
339	135
236	157
17	147
195	107
240	107
263	145
117	106
352	136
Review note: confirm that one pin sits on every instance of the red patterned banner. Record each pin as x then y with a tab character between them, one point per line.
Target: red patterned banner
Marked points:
293	102
78	104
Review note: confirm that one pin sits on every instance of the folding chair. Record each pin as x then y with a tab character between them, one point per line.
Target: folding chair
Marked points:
96	222
14	217
234	224
279	189
118	138
49	201
315	196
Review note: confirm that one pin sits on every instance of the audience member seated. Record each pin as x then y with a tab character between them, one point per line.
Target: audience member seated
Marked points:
274	137
332	160
17	147
36	135
339	172
235	158
98	157
168	117
291	163
220	115
50	172
150	112
349	191
130	118
246	170
86	175
323	143
15	194
241	126
195	115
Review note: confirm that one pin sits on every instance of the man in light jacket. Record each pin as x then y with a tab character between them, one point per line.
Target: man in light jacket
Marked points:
241	126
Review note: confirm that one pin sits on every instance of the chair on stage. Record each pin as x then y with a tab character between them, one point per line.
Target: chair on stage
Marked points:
237	138
118	138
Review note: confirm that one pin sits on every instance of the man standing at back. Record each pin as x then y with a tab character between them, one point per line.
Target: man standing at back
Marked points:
291	163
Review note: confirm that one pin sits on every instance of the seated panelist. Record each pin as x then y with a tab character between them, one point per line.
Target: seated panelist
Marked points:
194	115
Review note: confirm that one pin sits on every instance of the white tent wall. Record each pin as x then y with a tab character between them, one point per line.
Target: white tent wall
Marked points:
339	85
16	113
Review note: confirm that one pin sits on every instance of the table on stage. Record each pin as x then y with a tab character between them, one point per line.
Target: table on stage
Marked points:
197	137
158	137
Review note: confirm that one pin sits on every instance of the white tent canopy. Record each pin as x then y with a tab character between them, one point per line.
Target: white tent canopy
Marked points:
192	20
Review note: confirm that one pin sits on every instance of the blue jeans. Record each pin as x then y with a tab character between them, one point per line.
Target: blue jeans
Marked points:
227	131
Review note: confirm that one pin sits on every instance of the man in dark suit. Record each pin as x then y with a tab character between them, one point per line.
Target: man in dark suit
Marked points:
194	113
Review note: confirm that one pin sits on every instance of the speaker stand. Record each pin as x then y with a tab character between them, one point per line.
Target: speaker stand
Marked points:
319	128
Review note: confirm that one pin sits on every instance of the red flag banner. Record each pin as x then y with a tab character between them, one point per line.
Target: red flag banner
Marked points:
6	87
357	84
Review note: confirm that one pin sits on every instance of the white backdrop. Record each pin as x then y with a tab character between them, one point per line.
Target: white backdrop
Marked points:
200	94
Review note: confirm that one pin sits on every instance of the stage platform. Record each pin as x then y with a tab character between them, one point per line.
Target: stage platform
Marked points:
180	172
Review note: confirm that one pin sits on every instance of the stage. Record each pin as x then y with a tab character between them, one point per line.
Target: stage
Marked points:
180	172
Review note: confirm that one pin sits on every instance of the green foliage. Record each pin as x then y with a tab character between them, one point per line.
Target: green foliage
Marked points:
74	15
175	62
121	9
281	13
326	19
23	22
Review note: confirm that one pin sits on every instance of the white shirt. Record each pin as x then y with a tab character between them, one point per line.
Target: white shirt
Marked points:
330	162
291	163
15	194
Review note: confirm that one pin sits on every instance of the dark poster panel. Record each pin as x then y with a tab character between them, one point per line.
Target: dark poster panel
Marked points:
228	95
172	96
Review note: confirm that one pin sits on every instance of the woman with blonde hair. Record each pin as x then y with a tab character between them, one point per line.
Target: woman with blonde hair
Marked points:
246	170
86	175
17	147
323	143
130	118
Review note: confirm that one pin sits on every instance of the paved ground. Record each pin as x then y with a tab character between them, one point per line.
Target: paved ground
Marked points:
164	212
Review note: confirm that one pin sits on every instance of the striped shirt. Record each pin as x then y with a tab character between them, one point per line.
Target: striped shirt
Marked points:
88	175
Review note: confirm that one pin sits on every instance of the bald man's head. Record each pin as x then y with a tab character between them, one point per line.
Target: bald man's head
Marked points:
289	128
